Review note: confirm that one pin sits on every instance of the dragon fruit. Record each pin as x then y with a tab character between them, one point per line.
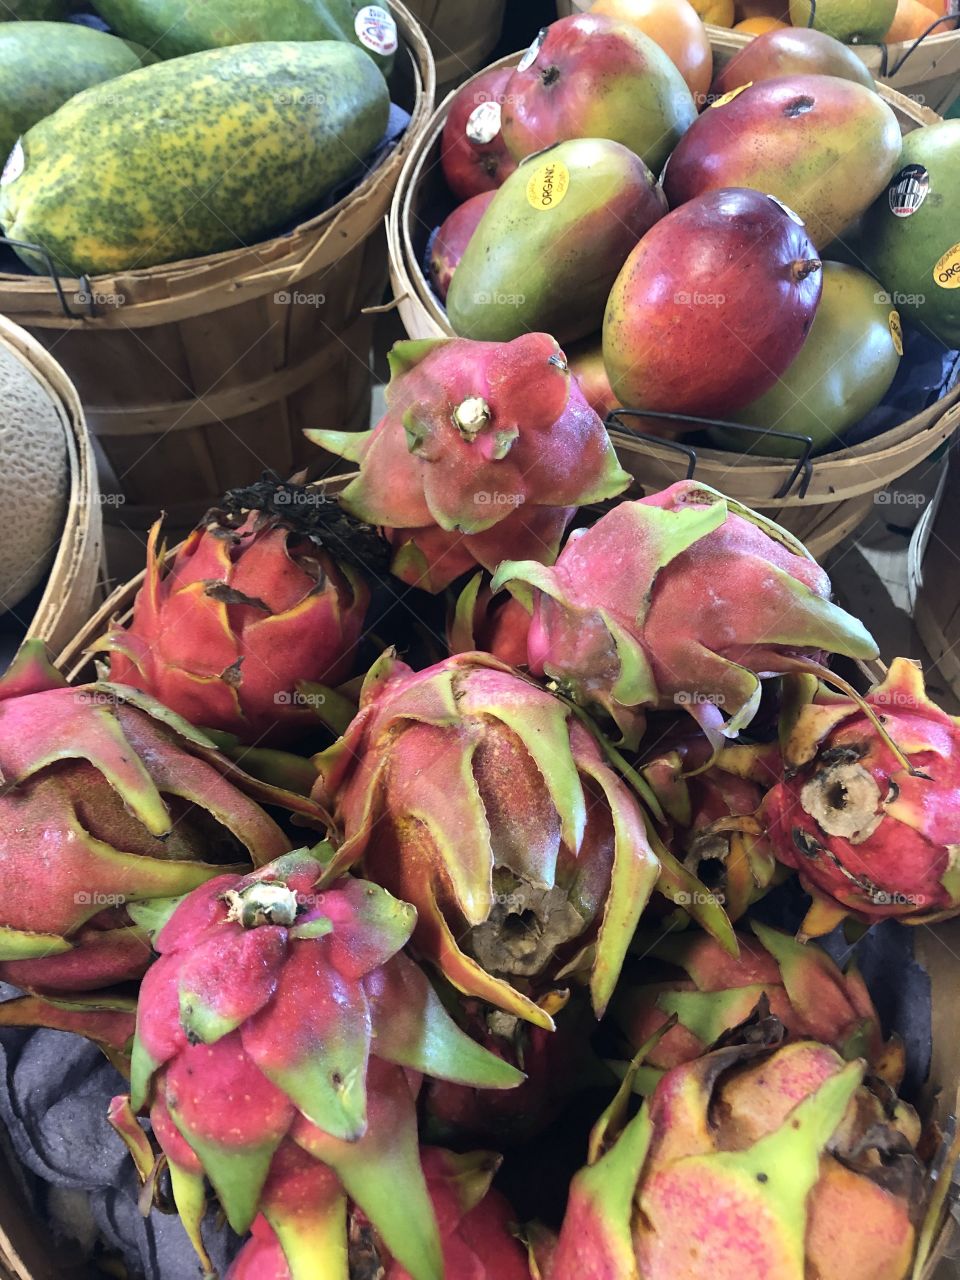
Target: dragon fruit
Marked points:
806	991
871	834
557	1064
279	1044
479	797
486	449
476	1231
698	793
108	799
250	607
683	599
750	1163
492	624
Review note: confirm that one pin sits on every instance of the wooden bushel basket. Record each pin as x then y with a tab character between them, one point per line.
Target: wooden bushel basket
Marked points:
821	503
461	35
73	579
197	375
934	576
926	70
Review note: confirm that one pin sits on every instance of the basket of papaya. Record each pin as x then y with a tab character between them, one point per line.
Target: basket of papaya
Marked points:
778	319
198	238
912	46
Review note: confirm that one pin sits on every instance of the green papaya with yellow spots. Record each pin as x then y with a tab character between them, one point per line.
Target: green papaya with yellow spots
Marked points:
194	156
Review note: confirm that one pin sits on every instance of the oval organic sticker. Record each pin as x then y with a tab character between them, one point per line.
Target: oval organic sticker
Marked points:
947	271
729	97
896	332
548	184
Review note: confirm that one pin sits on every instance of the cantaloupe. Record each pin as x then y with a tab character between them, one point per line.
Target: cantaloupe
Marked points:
34	480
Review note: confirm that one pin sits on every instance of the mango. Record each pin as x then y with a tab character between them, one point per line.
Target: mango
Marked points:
911	235
824	146
858	21
843	371
552	241
712	306
596	77
790	51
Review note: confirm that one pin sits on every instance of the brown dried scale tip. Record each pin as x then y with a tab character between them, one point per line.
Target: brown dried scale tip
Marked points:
310	509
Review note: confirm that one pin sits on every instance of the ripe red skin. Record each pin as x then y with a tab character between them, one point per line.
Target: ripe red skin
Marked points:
452	239
586	363
469	167
708	310
786	52
597	77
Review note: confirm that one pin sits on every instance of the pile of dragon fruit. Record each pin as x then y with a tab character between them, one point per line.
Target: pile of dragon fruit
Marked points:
361	942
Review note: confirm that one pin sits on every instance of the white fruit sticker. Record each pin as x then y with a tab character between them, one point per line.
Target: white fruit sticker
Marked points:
530	57
376	29
947	271
548	185
484	123
729	97
14	166
896	332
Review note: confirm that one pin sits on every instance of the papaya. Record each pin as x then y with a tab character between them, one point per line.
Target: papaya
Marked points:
193	156
175	27
911	235
551	242
843	371
42	64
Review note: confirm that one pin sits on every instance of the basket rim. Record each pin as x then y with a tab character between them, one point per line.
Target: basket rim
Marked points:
73	574
414	297
34	298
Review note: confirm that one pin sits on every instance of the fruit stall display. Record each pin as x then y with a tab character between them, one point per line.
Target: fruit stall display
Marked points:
912	46
605	262
50	513
452	862
213	320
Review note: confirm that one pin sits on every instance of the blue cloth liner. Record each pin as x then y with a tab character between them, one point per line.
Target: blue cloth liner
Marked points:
927	372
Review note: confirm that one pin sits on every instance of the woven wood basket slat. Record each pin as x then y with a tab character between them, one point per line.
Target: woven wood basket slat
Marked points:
462	36
843	485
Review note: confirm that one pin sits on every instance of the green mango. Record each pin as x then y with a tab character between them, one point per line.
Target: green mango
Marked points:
915	251
844	370
42	64
172	28
552	241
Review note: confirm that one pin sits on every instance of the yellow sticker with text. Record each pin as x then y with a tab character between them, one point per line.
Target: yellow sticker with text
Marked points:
947	271
548	184
729	97
896	332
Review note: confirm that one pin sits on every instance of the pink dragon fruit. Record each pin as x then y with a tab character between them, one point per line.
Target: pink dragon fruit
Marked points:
108	799
479	797
699	794
751	1163
805	990
477	1232
683	599
488	623
279	1044
249	608
872	833
486	449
